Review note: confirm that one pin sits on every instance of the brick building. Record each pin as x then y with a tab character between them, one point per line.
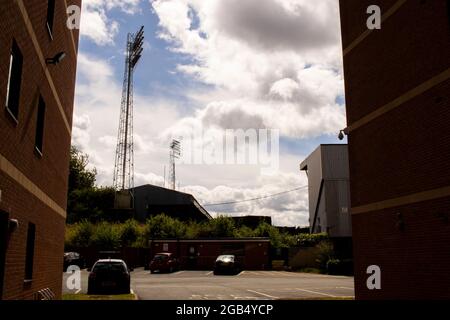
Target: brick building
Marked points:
35	132
398	114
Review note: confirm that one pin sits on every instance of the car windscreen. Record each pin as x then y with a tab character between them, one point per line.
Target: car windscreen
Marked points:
226	258
109	267
160	257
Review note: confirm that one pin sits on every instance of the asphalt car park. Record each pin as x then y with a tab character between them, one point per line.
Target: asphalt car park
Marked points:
247	285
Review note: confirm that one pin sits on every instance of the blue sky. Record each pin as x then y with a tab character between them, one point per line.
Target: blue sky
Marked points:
215	67
155	69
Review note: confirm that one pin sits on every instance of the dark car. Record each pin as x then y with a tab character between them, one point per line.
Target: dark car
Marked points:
164	262
109	276
73	259
227	264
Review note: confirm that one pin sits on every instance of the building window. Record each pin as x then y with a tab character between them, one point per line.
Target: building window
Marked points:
50	16
39	141
29	259
448	10
14	81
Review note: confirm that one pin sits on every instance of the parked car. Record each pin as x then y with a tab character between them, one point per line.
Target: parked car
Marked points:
109	276
164	262
73	258
227	264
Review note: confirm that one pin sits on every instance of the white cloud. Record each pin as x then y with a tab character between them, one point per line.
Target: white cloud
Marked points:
287	209
285	88
95	131
276	63
80	131
97	26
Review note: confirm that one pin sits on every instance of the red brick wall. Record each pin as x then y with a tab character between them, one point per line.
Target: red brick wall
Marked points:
402	152
411	47
414	262
49	244
17	140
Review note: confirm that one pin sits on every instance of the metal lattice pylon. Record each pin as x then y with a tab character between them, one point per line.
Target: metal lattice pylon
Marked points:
124	162
175	153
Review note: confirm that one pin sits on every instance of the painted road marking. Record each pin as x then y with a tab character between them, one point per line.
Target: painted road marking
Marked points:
208	273
262	294
316	292
286	274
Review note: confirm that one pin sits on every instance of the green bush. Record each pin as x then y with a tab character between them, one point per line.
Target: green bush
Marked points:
106	236
325	253
129	233
93	204
244	232
80	234
221	227
266	230
310	240
193	230
164	227
110	235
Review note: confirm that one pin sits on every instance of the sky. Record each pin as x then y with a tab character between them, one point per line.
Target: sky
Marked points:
211	66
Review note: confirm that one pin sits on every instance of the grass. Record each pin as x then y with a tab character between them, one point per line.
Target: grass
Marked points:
98	297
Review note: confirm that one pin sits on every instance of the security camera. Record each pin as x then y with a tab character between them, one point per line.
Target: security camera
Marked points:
13	225
56	59
343	133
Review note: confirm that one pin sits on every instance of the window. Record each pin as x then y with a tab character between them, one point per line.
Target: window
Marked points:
50	16
39	140
14	81
448	10
29	259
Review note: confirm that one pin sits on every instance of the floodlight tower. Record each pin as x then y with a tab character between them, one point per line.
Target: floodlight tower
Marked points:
175	153
124	163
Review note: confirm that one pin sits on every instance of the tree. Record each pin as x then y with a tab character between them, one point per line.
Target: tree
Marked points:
93	204
129	233
219	227
266	230
84	199
164	227
80	176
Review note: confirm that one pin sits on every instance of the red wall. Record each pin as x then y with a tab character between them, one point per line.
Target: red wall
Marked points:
49	172
402	152
254	255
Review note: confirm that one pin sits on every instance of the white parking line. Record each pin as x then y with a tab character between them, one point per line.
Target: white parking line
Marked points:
208	273
348	288
284	274
262	294
315	292
241	273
